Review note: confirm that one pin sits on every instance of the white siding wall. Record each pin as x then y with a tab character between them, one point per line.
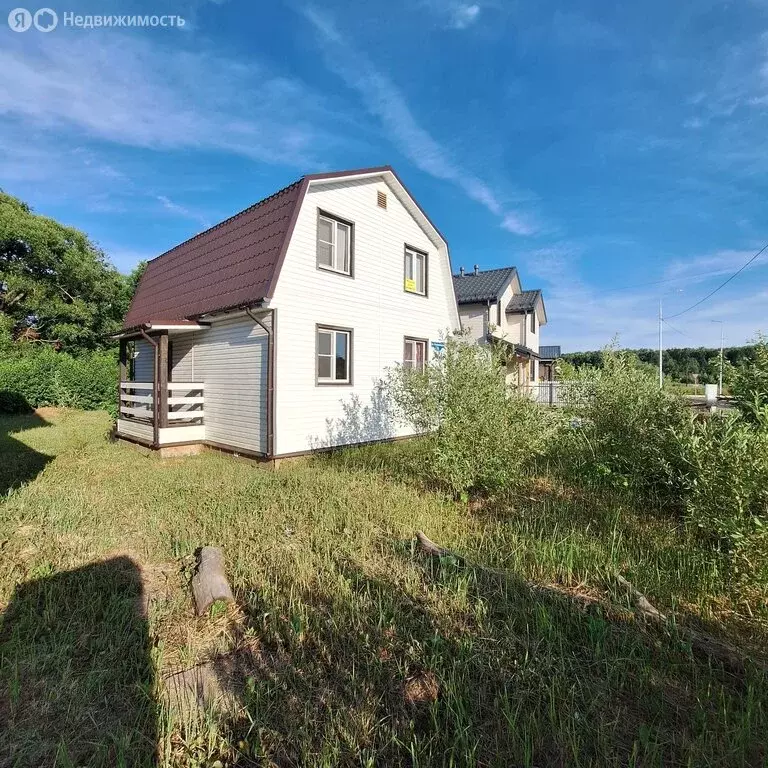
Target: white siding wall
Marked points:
182	356
373	304
474	320
144	362
231	359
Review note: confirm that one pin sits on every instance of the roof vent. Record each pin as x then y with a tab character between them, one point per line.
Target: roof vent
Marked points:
477	269
381	200
461	271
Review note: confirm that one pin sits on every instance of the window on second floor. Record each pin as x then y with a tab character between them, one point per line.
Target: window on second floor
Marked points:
415	277
533	321
334	244
415	354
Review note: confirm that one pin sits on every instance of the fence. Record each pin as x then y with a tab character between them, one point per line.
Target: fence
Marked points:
551	392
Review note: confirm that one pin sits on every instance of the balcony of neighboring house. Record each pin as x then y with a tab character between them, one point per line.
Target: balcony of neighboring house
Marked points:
154	408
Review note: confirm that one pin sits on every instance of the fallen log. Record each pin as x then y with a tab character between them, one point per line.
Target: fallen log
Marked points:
209	582
701	643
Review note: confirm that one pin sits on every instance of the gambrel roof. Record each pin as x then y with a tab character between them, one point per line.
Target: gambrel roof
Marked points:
236	263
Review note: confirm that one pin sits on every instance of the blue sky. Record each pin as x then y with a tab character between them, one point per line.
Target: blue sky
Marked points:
615	152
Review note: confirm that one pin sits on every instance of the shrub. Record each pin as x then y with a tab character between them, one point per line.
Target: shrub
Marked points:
481	434
44	377
727	488
627	433
750	385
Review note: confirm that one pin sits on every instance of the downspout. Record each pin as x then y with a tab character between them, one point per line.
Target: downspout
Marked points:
270	377
155	391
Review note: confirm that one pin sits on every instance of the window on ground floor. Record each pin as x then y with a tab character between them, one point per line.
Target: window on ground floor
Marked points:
334	356
415	354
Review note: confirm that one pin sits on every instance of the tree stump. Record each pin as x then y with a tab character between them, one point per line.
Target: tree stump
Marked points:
209	583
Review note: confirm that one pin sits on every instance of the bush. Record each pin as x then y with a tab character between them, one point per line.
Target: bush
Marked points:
750	385
44	377
481	434
627	431
727	493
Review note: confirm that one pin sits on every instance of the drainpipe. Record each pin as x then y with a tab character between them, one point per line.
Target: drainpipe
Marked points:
270	376
155	391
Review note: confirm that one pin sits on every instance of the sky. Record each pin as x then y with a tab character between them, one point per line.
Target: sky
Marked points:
615	152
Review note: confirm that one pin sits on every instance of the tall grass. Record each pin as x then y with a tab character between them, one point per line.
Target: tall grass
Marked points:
347	646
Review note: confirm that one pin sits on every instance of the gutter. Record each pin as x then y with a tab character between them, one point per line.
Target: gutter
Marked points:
270	331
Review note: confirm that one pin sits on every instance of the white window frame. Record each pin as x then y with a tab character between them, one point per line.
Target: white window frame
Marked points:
334	333
411	363
334	266
416	256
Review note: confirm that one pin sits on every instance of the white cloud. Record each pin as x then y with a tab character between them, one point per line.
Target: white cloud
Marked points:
183	211
518	225
462	16
386	103
126	91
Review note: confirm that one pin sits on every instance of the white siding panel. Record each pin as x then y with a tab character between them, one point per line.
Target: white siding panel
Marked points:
231	359
182	357
372	303
474	320
135	429
144	361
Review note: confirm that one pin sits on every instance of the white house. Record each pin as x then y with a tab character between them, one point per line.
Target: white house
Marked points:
269	333
494	308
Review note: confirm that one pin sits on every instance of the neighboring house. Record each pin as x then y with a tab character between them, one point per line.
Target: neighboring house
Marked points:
547	358
494	308
269	333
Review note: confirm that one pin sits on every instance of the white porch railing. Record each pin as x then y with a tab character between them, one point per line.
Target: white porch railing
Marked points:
185	401
551	392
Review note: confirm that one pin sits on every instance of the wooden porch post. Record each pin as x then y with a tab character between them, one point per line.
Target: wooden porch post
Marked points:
161	380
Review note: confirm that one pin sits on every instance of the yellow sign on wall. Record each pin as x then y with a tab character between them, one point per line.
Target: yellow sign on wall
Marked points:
410	285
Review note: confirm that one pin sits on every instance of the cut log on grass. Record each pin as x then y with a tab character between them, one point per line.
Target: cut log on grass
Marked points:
209	583
644	607
700	643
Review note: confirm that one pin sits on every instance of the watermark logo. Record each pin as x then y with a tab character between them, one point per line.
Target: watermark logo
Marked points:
46	20
19	19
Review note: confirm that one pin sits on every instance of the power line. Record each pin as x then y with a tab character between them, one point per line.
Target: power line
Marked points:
722	285
677	330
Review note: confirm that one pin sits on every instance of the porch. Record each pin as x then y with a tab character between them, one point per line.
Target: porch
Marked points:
154	408
177	410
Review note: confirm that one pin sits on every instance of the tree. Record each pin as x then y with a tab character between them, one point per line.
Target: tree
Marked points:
56	286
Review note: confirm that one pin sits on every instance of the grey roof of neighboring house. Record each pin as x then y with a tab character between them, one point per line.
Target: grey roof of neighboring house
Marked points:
483	286
524	302
549	353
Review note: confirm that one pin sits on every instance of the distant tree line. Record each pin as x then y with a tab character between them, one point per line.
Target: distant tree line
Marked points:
697	365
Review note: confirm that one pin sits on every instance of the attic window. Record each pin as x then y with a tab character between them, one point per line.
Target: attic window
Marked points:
381	200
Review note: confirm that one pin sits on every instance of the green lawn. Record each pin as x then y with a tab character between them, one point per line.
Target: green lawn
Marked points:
347	646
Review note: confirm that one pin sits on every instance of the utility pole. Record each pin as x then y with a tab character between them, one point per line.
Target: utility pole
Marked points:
720	383
661	347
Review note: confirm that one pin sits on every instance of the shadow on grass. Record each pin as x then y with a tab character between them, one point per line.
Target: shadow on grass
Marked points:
447	665
75	671
18	462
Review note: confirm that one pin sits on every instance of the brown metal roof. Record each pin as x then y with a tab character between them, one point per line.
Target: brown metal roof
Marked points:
233	264
229	265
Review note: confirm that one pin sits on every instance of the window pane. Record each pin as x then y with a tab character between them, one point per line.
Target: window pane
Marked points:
419	345
324	367
408	356
342	340
342	248
325	230
324	254
408	265
324	342
419	259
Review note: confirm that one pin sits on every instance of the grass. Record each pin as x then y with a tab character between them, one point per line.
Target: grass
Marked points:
347	646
